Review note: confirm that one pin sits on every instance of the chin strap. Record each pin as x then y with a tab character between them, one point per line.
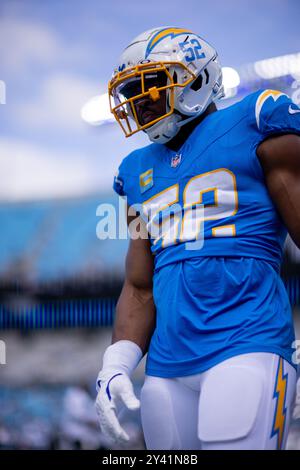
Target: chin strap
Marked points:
164	130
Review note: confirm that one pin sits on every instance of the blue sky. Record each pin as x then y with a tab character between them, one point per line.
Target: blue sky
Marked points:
56	54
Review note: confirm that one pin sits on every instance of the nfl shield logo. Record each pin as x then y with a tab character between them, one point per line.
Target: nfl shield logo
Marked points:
175	161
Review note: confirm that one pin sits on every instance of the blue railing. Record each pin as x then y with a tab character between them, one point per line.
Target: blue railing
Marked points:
83	312
59	314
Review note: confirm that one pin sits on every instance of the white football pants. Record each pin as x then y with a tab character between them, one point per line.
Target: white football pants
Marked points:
244	402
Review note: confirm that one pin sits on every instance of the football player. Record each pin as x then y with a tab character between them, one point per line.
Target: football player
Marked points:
217	191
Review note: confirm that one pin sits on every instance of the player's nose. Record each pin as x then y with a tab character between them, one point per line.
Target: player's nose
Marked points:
143	102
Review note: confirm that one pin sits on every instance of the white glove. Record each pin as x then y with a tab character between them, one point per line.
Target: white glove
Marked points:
114	384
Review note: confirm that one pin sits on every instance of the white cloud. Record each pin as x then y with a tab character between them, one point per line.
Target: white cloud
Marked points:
58	105
24	42
53	99
31	172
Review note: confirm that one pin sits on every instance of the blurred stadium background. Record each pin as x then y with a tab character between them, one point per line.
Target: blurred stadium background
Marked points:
58	282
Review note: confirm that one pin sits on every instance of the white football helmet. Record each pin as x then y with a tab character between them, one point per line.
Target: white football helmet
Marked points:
171	61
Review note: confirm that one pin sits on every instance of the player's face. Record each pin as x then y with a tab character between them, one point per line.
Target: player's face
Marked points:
146	108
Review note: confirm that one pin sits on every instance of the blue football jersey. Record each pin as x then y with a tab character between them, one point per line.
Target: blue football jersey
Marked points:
216	237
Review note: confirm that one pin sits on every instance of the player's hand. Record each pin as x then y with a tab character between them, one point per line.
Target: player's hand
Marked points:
113	387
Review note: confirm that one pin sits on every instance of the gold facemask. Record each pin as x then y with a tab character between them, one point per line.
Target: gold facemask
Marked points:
133	84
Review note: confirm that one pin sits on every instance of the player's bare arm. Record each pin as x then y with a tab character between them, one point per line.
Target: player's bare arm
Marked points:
133	328
135	312
280	159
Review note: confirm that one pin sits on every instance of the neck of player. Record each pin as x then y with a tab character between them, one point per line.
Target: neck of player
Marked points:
185	131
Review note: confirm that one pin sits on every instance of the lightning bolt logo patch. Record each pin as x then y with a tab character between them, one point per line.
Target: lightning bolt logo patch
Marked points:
263	97
162	34
280	412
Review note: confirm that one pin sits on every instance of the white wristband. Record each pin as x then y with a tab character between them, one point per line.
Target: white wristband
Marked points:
123	355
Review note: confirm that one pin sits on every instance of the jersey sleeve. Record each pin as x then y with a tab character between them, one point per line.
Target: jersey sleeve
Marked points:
118	183
275	113
124	183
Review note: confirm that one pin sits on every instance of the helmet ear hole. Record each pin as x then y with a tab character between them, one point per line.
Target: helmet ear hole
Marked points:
197	84
207	76
199	81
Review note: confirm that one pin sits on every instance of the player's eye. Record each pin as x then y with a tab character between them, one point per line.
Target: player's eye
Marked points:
134	87
130	89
